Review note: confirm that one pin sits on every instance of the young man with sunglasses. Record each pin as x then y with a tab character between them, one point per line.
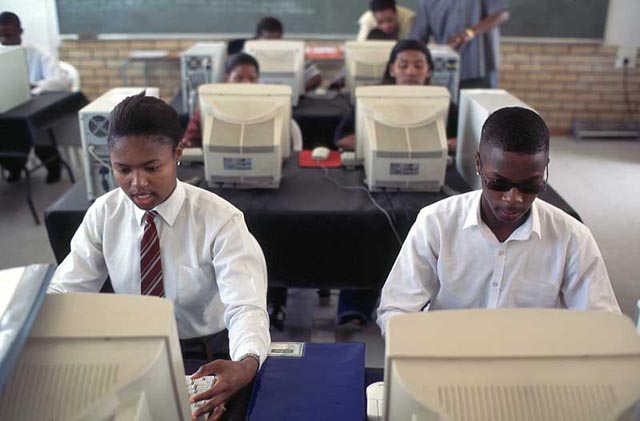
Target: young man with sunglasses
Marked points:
499	247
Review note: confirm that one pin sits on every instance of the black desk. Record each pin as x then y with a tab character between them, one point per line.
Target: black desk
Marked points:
317	116
313	234
21	126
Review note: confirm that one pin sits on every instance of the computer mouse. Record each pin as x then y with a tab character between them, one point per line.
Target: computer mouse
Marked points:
320	153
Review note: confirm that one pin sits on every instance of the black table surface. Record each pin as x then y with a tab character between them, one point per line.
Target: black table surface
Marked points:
45	110
313	233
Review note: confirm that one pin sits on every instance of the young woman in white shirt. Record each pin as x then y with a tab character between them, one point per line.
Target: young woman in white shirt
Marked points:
204	258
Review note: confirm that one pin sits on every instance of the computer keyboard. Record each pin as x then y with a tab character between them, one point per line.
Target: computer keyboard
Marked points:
195	386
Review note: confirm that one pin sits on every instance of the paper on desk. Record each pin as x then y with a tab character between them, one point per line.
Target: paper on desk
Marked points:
148	53
287	349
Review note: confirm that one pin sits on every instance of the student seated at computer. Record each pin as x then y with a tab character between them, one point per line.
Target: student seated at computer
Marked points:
500	246
45	75
410	63
384	15
271	28
159	236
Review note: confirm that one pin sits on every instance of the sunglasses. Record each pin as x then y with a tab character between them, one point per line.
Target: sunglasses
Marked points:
503	185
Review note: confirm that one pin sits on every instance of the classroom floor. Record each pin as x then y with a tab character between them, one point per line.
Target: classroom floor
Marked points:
600	179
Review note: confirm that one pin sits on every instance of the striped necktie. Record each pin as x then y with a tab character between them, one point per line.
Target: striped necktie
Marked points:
150	261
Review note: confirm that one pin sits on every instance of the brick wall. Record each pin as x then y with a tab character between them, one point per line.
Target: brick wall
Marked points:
563	81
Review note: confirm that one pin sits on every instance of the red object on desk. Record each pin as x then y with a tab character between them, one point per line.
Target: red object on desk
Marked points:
305	160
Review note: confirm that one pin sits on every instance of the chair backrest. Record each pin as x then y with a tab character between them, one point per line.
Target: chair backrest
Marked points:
296	136
72	74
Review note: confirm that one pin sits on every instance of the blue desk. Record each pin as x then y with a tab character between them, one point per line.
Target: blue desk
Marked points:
327	383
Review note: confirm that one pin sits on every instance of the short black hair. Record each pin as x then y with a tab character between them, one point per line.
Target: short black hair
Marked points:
142	115
377	34
269	24
239	59
515	129
380	5
406	45
8	18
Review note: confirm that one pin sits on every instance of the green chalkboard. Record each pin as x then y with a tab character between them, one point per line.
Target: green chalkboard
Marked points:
530	18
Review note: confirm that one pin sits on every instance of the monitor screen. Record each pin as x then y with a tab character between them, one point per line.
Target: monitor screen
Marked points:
245	133
281	63
99	356
14	78
511	364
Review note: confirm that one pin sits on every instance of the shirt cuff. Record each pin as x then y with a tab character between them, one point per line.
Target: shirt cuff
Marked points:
251	348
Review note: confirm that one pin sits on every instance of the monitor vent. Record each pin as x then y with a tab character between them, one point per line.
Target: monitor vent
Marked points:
527	402
54	392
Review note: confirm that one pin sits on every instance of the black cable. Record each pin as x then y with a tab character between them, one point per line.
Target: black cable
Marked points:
371	198
103	178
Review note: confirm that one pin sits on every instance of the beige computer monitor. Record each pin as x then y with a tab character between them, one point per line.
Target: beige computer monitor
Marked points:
401	136
14	78
365	63
99	356
245	133
475	107
281	63
511	364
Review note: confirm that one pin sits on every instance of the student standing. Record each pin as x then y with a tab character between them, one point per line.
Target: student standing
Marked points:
158	236
469	26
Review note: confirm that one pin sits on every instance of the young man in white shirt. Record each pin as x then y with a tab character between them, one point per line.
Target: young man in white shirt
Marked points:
499	247
384	15
45	75
158	236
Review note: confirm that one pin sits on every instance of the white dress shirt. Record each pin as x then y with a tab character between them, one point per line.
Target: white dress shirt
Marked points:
213	269
452	260
44	71
368	22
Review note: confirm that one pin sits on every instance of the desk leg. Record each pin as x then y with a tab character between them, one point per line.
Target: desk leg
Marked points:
29	198
52	136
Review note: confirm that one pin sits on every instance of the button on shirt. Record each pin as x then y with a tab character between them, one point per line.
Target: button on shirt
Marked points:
452	260
213	269
444	18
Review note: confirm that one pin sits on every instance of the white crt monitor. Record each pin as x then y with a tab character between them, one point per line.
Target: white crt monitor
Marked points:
245	133
401	135
281	63
365	62
511	364
201	63
475	106
14	78
98	357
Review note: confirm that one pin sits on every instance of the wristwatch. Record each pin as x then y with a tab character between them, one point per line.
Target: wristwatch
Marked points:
251	355
470	33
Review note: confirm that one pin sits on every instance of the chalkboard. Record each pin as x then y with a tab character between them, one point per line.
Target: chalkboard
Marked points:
530	18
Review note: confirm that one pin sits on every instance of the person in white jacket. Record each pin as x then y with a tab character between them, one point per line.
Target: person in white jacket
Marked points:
45	75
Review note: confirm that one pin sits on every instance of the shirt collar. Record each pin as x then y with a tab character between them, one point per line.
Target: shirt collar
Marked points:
524	231
168	210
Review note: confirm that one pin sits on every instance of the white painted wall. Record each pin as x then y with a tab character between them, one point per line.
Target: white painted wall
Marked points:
39	21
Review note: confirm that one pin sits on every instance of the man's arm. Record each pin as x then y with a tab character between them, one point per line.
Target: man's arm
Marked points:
413	280
493	20
53	77
367	23
241	274
586	284
344	137
84	268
